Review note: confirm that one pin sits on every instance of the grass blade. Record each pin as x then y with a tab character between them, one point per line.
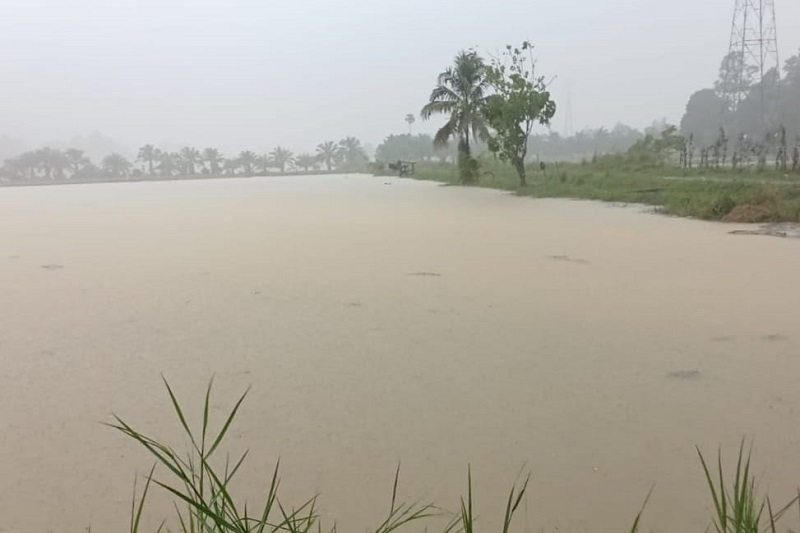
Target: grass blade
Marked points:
136	514
638	519
179	411
718	499
227	424
205	413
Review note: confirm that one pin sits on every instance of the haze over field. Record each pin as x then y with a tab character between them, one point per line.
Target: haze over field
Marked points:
257	74
235	204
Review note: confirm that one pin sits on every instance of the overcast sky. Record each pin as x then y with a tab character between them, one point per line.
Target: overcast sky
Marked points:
253	74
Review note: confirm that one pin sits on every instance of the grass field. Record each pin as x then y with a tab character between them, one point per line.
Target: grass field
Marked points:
708	194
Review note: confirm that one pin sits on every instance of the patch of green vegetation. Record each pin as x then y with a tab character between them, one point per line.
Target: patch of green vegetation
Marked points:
708	194
199	482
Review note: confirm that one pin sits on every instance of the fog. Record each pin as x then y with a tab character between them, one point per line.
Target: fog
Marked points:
254	74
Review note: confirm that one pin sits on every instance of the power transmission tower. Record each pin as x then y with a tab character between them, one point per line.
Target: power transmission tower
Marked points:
753	45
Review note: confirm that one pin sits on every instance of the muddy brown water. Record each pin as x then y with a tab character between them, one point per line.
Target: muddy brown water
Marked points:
592	345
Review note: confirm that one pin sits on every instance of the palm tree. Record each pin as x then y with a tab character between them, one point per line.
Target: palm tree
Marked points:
281	157
167	163
116	165
352	152
263	162
149	154
461	92
231	166
191	158
76	160
410	119
247	160
305	161
327	153
214	158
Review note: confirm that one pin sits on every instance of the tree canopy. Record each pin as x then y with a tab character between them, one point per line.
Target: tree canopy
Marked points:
460	93
765	106
520	101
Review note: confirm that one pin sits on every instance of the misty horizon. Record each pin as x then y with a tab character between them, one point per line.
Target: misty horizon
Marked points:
255	76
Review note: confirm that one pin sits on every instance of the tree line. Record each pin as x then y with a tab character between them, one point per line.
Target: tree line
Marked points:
761	128
73	164
550	146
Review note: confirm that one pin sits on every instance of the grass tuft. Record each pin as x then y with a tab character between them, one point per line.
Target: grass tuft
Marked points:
203	502
738	507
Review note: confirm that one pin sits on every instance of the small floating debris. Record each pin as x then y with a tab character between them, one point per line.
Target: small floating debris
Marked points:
569	259
767	232
52	266
426	274
684	374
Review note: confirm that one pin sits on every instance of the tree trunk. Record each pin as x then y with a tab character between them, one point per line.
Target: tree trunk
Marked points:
150	166
519	166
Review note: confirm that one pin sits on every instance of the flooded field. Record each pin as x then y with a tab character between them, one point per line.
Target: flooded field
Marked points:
383	321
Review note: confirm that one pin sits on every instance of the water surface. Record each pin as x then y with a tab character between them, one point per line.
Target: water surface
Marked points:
383	321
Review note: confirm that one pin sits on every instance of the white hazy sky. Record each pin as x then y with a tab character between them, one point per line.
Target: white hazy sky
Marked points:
253	74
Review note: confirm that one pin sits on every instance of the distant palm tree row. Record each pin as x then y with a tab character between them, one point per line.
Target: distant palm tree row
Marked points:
51	164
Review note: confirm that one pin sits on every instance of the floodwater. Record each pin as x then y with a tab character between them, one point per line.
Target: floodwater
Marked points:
382	321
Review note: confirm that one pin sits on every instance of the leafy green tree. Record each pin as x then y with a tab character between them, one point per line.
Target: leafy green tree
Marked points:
281	157
657	149
790	97
520	101
461	93
705	114
46	159
76	160
214	158
149	154
191	160
734	75
29	161
247	160
58	162
410	148
352	153
305	161
116	165
410	120
327	153
791	70
13	168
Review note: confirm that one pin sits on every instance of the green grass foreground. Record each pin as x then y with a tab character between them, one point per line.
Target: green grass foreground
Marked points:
707	194
198	479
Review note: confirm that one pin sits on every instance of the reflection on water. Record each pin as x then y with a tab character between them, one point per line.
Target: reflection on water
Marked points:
439	327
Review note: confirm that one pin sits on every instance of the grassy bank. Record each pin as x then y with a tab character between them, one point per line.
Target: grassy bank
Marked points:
708	194
198	478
